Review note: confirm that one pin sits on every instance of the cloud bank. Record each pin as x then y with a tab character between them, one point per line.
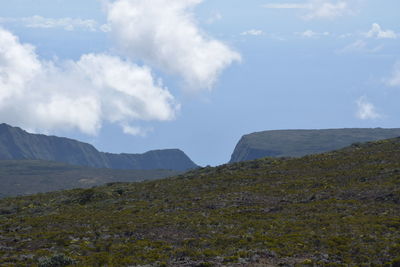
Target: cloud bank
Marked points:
46	95
164	34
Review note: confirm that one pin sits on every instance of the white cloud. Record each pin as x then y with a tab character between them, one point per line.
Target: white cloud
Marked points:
253	32
312	34
359	46
135	130
366	110
309	34
319	9
45	95
164	33
377	32
394	80
68	24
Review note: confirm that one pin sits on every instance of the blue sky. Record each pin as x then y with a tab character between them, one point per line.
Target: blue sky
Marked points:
136	75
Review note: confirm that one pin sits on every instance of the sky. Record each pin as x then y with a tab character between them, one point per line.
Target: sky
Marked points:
136	75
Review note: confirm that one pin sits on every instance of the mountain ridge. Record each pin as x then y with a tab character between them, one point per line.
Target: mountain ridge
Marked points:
301	142
18	144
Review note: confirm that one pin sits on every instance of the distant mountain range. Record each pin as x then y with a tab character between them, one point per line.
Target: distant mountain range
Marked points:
17	144
297	143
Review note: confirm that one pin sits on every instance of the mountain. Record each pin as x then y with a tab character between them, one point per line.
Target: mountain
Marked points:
339	208
297	143
24	177
17	144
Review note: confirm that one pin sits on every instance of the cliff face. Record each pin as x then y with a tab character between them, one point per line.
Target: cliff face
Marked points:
166	159
17	144
297	143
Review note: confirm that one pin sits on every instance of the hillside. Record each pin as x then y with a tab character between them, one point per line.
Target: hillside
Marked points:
297	143
17	144
24	177
334	209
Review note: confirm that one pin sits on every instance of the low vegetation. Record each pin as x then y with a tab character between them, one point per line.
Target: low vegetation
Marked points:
334	209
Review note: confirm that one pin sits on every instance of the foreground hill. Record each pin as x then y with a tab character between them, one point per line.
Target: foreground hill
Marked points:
24	177
297	143
335	209
16	144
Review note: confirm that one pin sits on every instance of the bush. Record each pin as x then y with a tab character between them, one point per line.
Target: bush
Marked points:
86	196
58	260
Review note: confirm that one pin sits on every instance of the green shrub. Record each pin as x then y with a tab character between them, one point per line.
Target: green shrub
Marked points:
58	260
86	196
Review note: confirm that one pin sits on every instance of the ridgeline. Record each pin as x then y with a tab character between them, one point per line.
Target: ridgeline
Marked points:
17	144
298	143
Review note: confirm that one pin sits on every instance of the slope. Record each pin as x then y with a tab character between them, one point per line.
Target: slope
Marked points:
333	209
297	143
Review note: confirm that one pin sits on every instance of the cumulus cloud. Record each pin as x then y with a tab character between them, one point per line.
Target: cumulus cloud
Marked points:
366	110
394	80
377	32
46	95
253	32
164	34
319	9
68	24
